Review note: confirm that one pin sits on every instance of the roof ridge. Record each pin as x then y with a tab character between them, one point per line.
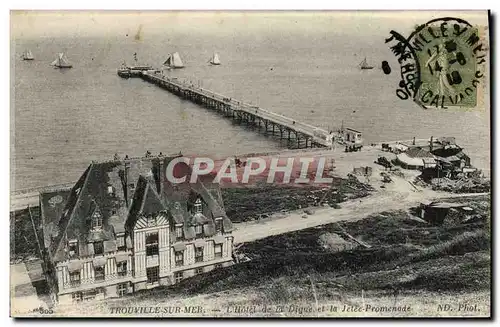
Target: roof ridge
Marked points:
77	202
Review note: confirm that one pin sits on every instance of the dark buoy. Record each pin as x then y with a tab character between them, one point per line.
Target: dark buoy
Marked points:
386	68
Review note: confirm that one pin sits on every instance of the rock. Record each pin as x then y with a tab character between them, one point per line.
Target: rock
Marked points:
304	216
309	211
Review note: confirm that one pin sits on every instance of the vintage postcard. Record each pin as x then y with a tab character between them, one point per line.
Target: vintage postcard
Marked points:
319	164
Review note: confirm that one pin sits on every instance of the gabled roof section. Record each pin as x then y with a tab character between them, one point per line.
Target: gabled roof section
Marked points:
96	188
146	201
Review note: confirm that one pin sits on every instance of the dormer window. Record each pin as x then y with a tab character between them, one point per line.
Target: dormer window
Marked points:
218	224
96	220
73	249
120	243
178	232
198	206
198	230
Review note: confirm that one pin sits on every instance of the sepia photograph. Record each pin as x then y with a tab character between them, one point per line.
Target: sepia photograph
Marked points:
250	164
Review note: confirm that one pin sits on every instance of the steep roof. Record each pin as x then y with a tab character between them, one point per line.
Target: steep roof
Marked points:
418	152
146	201
94	192
120	191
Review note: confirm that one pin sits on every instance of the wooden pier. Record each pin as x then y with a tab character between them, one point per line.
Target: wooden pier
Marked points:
298	134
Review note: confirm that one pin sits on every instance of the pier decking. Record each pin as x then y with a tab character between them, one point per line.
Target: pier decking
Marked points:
298	134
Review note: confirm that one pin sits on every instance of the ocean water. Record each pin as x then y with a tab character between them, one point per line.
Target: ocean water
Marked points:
63	119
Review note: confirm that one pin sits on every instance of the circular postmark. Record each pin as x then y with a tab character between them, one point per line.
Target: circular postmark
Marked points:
442	63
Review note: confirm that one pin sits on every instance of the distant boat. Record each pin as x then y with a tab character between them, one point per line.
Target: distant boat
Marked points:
61	61
174	61
215	59
27	55
364	65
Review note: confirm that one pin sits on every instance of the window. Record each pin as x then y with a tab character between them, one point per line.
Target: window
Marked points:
77	297
179	258
111	191
73	249
96	220
91	294
218	250
120	243
178	276
178	232
198	254
98	248
122	268
152	275
198	208
122	289
99	273
152	244
199	230
198	271
74	278
218	224
218	266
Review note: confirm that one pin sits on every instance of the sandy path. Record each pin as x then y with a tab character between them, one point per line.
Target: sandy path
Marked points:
400	195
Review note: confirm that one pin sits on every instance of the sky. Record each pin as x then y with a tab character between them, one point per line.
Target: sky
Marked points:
30	24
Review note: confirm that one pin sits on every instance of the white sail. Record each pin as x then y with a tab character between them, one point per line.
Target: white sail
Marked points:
55	62
27	55
176	61
215	59
61	61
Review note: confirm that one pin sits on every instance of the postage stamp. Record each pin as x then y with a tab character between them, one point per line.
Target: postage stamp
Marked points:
442	63
202	164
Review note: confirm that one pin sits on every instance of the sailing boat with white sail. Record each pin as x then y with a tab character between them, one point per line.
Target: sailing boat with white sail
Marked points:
27	55
215	59
61	61
364	65
174	61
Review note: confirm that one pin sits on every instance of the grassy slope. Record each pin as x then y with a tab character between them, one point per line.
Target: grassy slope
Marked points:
409	262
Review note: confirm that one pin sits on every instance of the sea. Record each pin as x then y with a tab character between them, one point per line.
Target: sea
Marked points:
61	120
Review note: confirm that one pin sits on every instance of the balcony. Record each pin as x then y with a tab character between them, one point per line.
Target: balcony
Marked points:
75	283
152	260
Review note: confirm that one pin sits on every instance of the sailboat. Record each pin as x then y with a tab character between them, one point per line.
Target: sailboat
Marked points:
174	61
215	59
27	55
364	65
61	61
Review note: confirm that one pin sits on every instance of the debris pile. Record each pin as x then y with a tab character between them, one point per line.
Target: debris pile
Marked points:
464	185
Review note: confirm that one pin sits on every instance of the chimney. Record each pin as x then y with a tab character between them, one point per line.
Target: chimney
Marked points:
414	140
161	175
431	143
125	177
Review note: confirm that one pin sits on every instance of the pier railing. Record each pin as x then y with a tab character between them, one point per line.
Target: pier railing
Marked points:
320	136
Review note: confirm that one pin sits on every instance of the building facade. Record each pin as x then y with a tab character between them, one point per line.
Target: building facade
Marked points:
124	227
